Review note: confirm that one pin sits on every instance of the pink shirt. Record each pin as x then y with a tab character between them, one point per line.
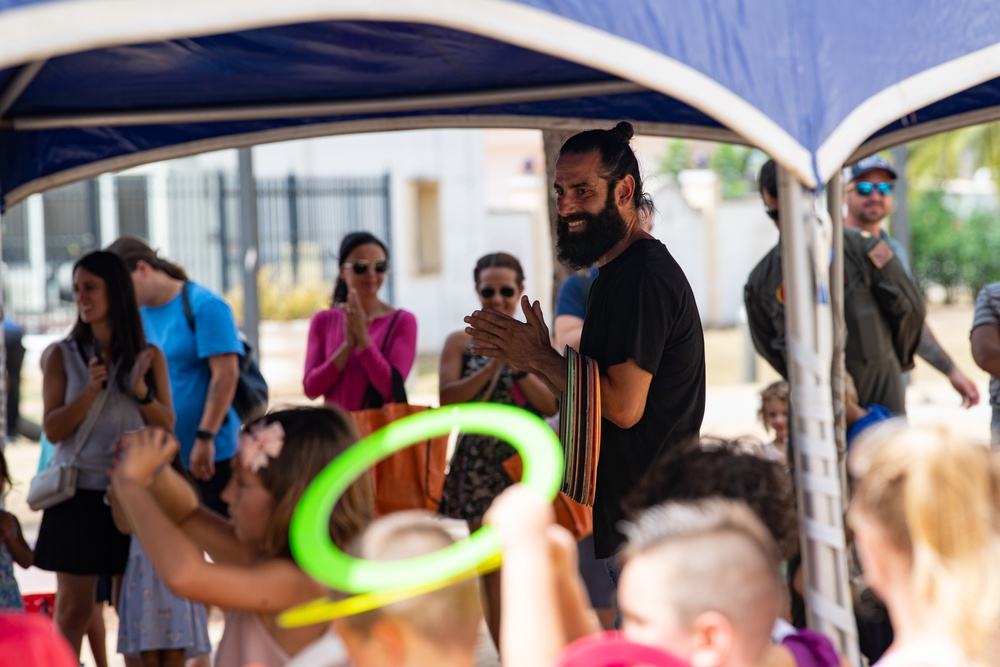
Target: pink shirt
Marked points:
346	387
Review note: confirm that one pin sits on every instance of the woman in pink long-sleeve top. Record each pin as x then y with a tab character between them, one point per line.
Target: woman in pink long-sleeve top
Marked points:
357	343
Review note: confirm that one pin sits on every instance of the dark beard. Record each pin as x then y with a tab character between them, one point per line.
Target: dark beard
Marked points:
603	231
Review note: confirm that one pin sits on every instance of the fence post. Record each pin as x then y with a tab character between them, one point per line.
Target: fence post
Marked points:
387	212
223	231
93	214
249	246
293	226
35	229
109	209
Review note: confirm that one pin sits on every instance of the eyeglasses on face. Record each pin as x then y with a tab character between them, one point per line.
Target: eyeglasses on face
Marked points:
772	213
361	266
506	292
865	188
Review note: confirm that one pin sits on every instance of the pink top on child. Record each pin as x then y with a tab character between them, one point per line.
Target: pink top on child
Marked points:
346	387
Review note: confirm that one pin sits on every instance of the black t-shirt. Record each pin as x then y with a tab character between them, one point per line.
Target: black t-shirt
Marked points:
642	307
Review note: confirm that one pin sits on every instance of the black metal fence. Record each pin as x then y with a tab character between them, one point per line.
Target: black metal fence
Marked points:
195	215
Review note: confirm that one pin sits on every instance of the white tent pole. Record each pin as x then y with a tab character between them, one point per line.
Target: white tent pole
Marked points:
834	205
329	108
805	251
21	80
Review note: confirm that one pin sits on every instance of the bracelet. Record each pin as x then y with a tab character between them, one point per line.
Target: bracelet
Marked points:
202	434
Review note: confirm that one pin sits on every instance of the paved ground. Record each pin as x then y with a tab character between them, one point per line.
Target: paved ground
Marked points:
731	407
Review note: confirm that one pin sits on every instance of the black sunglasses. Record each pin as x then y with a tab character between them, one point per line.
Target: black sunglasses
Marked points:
772	213
865	188
506	291
360	266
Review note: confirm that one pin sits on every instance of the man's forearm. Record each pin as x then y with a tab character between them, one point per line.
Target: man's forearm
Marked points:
550	367
931	351
221	390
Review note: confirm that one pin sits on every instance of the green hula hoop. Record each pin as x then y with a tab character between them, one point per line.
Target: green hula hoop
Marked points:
309	534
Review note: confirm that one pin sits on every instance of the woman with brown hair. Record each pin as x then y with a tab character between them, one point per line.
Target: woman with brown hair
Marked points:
102	380
476	474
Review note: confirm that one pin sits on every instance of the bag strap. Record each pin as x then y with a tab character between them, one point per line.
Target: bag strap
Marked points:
392	323
95	411
485	395
186	303
398	385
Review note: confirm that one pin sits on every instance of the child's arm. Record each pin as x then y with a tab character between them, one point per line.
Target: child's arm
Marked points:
266	587
10	528
118	514
579	618
531	628
177	498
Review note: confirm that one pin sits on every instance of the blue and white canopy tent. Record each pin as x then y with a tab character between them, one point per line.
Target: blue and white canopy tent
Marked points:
89	86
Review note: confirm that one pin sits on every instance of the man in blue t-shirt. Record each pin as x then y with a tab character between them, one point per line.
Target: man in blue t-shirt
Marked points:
202	358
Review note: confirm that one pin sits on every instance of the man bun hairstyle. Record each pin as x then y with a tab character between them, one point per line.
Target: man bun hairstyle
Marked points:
617	158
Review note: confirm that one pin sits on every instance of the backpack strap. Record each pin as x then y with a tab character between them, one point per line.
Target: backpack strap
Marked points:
186	303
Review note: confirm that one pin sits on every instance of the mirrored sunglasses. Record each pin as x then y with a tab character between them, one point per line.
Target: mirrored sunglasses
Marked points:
506	291
865	188
361	266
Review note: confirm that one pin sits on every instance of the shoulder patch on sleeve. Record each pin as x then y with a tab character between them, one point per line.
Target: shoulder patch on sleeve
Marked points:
880	254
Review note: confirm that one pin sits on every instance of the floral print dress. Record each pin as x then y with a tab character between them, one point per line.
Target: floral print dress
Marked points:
476	475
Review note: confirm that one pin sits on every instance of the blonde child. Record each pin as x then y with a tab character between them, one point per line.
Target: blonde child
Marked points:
13	548
252	575
925	519
773	414
437	629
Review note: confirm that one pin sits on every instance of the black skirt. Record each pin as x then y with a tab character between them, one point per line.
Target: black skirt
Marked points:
79	537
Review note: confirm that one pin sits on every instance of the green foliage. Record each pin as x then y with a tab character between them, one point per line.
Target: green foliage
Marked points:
936	243
280	300
952	252
981	251
736	166
729	162
677	158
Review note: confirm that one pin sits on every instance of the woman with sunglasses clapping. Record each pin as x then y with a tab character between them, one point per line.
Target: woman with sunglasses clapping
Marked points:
476	475
356	345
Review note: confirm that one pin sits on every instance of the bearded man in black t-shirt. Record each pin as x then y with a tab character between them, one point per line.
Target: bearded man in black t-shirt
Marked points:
642	325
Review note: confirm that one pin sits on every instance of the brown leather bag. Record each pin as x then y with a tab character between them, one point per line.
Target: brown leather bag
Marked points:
411	478
571	515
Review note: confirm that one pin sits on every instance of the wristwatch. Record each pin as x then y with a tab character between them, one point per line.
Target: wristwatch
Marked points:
150	395
202	434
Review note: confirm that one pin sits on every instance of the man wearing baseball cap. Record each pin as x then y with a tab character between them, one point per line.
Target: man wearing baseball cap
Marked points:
868	199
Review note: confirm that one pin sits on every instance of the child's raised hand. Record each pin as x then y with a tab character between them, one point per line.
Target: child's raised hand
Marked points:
520	515
143	452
